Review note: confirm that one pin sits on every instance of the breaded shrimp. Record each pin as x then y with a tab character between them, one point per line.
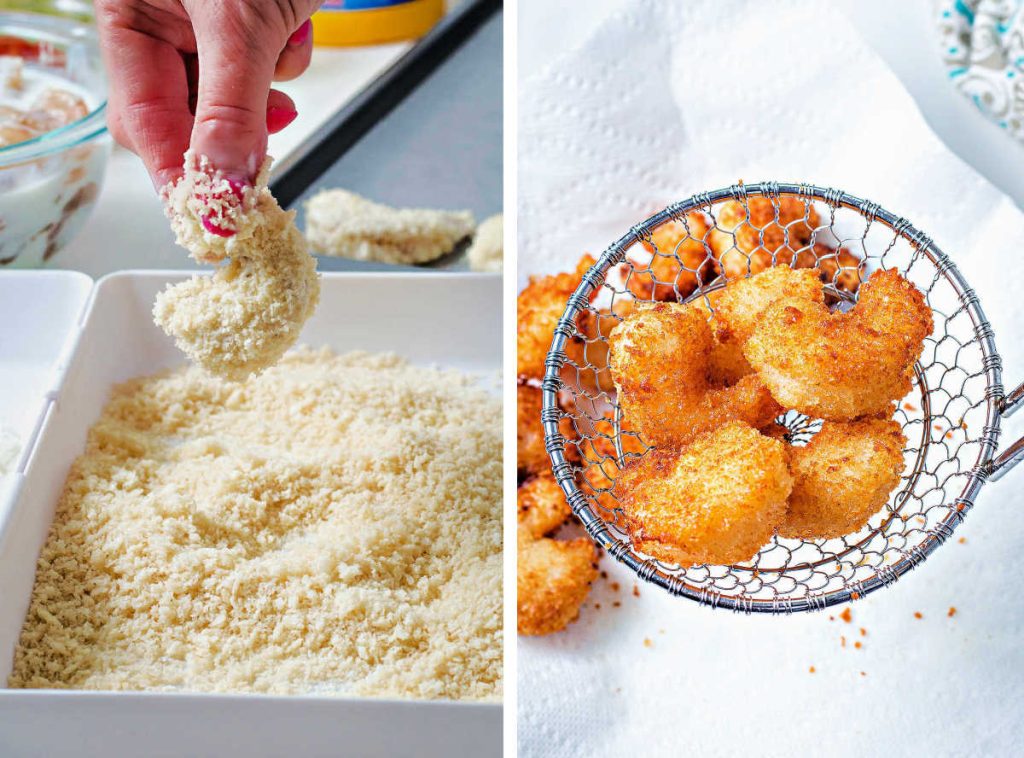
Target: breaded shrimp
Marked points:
553	578
745	246
842	477
540	305
841	366
659	361
673	243
717	501
842	268
599	467
542	506
589	351
531	453
740	306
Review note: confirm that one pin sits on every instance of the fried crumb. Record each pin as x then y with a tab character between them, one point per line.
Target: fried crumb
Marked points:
962	540
917	615
614	586
616	604
863	673
597	606
647	642
812	669
854	596
831	618
846	615
636	591
604	574
863	632
842	642
909	407
951	612
857	645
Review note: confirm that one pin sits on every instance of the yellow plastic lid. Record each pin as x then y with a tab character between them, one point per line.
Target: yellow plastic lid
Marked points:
343	23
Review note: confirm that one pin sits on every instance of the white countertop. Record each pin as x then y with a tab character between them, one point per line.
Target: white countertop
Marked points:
127	228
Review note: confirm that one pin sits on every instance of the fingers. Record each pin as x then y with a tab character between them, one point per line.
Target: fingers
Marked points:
237	56
148	104
295	57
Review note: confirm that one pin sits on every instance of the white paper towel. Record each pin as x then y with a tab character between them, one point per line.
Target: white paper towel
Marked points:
666	99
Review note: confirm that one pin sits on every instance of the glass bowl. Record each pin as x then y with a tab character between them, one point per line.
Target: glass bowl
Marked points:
49	184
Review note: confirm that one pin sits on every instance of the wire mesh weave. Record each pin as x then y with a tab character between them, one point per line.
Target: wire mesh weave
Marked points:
950	419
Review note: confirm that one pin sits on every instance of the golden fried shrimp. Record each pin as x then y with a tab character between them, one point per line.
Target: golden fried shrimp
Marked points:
744	246
553	578
717	501
842	477
841	366
659	361
542	506
589	351
666	279
540	305
842	268
740	306
531	453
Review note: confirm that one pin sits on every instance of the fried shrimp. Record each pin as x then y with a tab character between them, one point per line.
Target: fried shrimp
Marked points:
542	507
672	244
553	577
741	304
841	366
531	452
589	350
676	511
540	305
746	244
842	477
659	361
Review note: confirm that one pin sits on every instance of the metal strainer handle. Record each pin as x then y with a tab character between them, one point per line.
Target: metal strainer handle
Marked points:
999	466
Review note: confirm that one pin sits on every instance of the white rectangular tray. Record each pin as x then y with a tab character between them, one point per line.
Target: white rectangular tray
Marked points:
451	320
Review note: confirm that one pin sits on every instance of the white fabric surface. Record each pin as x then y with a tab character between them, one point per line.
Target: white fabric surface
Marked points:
666	99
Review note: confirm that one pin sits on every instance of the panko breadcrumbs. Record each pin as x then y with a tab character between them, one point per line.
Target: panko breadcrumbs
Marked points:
243	318
331	526
342	223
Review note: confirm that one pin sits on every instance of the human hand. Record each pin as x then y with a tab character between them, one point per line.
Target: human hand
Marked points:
196	73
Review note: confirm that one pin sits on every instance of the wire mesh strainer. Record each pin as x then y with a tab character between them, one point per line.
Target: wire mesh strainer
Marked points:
951	418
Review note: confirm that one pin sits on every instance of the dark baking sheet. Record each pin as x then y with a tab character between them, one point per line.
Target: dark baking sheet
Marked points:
409	141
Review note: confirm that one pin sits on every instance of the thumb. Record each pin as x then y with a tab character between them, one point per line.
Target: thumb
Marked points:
237	53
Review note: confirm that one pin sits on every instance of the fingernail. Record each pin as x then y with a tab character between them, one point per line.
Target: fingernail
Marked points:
279	118
237	187
300	35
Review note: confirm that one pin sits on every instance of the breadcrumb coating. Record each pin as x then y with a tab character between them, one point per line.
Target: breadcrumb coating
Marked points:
243	318
841	366
680	261
659	361
553	578
589	349
541	504
344	224
487	252
332	526
716	501
539	307
745	245
741	304
842	477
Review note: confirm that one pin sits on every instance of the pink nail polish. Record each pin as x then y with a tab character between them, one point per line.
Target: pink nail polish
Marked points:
279	118
300	35
211	226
